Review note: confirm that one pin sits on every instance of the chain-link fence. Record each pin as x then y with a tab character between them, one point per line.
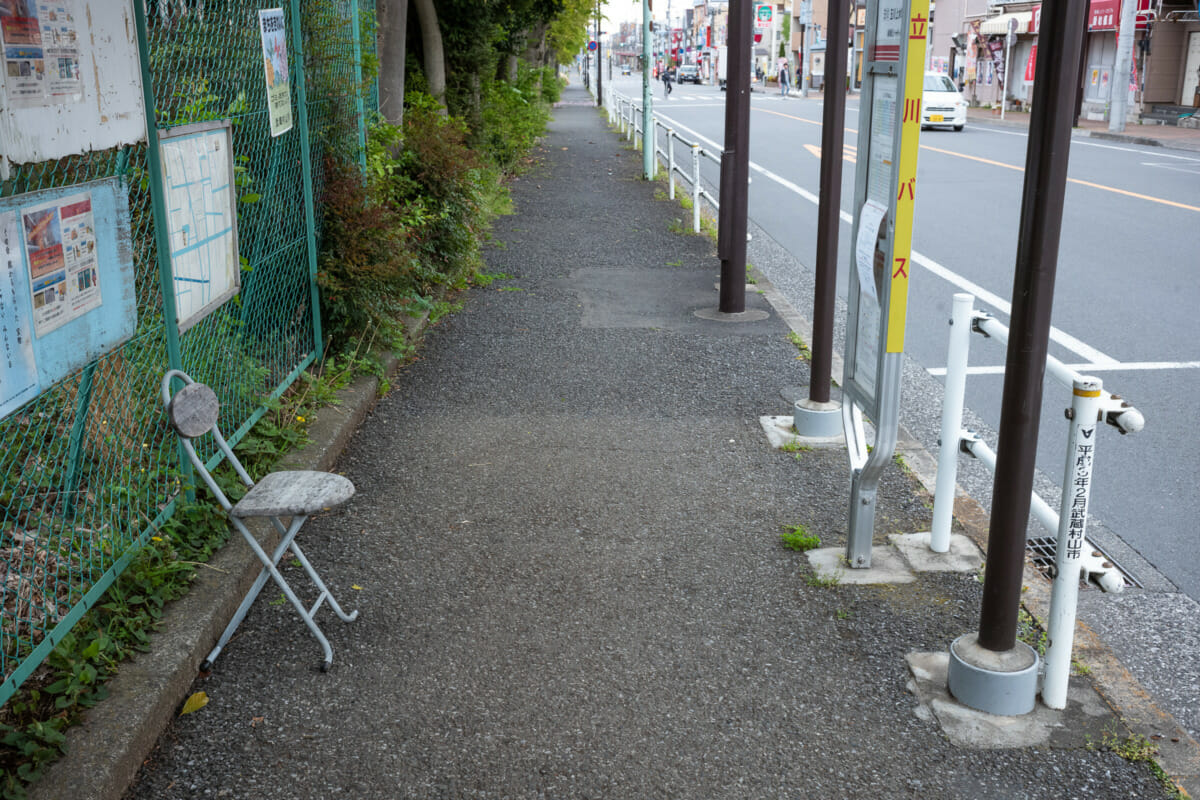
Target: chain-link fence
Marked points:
88	467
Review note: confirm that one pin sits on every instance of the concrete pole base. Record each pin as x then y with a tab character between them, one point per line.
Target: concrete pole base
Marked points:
1004	683
820	420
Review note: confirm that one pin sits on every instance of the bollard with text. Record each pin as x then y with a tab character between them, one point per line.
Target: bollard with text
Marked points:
884	198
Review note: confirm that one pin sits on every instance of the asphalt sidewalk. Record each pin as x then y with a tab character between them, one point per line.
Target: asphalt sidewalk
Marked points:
565	549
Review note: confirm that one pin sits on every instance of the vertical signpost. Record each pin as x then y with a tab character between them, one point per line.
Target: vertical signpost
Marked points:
884	198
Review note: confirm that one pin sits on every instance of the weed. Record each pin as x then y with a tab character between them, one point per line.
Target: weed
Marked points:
676	226
510	289
795	537
750	275
842	614
676	263
801	346
1030	632
485	279
820	581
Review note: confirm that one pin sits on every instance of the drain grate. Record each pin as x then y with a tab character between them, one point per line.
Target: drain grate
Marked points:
1041	552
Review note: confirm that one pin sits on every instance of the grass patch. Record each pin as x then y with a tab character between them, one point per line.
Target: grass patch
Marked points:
796	537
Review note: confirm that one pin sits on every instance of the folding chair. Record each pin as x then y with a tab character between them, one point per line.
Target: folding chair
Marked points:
193	412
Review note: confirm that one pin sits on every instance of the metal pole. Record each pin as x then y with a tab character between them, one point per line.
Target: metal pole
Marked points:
829	206
805	67
359	108
162	230
1004	83
599	61
735	162
952	411
1033	296
1072	520
647	105
695	188
1083	51
1120	84
310	215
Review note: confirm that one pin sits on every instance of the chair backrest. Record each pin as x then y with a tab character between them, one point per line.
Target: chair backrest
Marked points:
193	412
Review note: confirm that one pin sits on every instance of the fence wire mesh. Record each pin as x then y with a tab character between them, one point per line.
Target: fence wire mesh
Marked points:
88	466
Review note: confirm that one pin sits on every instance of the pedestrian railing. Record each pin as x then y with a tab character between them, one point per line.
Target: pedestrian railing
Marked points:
1074	556
625	113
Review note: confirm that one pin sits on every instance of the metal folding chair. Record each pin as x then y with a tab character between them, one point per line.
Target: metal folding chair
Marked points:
193	412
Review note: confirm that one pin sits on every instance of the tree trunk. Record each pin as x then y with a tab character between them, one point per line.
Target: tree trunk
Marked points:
393	28
435	58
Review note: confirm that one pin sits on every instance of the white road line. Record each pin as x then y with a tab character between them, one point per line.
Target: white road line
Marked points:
1130	366
1083	141
1084	351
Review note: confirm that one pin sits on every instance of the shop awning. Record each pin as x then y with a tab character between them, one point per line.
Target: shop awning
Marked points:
999	25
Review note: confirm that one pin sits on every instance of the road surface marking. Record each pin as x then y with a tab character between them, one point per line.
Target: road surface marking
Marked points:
848	152
1089	184
1131	366
1082	142
1185	170
800	119
1076	346
993	163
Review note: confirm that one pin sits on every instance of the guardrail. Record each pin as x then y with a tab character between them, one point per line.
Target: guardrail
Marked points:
1074	557
626	114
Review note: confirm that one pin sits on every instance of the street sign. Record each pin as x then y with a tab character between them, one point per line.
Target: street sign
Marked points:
885	196
762	17
804	15
592	45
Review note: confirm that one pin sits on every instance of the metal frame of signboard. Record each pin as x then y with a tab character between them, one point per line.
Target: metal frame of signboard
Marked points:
884	198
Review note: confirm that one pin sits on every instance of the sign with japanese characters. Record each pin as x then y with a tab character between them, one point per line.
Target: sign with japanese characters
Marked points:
71	81
66	284
275	65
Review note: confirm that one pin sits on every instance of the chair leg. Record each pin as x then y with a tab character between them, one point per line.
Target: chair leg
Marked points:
270	570
320	584
286	538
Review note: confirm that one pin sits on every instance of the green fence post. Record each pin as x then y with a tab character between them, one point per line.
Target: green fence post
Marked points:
306	171
162	234
356	27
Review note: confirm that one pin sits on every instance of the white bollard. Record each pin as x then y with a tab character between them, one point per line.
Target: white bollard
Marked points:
952	412
1072	520
695	188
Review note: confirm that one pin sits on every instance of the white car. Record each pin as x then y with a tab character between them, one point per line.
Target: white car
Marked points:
942	104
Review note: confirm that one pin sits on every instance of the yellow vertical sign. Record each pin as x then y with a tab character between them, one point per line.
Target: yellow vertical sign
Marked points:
910	132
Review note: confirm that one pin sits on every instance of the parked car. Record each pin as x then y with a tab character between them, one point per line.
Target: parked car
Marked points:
687	73
942	104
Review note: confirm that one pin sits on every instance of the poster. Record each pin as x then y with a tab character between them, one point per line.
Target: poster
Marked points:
41	52
201	218
275	63
67	292
18	369
883	127
60	244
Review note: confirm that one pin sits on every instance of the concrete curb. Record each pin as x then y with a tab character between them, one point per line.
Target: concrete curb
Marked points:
106	750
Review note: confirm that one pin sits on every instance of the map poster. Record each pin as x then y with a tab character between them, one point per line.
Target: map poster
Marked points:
41	52
275	62
18	369
60	242
201	218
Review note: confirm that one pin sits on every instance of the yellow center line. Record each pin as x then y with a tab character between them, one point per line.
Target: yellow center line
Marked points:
981	160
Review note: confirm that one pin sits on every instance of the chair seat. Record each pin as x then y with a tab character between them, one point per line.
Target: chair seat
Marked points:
292	493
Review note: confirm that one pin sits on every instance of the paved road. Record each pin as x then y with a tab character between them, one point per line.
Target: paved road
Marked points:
1124	299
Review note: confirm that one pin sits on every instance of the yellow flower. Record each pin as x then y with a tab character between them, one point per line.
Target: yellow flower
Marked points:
156	538
299	419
